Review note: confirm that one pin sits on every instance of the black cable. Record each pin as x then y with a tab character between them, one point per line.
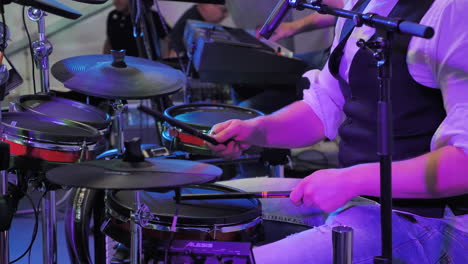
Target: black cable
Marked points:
166	30
2	10
34	233
30	50
36	215
37	221
173	232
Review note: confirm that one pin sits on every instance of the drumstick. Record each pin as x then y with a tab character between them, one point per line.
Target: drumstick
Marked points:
188	129
235	195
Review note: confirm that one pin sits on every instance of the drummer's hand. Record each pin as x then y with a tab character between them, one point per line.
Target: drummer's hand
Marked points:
327	190
240	136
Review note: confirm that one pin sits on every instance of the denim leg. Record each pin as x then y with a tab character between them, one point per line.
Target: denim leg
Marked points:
415	240
443	243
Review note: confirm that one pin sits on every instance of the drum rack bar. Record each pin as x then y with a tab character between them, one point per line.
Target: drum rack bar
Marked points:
4	235
5	226
49	228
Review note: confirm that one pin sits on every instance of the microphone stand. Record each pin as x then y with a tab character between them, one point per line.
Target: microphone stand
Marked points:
381	49
144	29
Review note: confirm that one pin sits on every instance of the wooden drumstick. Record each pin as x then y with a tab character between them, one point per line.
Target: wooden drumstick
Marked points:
186	128
235	195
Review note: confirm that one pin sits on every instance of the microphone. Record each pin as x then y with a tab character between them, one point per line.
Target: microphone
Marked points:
275	18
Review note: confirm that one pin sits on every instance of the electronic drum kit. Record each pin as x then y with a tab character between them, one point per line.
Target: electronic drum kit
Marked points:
59	140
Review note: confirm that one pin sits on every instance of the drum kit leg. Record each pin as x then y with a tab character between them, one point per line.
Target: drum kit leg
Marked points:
4	235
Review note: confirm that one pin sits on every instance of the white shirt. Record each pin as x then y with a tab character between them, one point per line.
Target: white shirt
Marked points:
439	63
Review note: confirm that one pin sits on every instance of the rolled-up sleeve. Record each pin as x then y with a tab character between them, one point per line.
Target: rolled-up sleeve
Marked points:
453	130
326	100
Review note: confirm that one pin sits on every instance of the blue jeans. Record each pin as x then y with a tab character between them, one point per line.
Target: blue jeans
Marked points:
415	239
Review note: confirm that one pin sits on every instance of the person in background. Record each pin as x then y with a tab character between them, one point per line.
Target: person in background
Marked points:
311	22
210	13
119	33
252	15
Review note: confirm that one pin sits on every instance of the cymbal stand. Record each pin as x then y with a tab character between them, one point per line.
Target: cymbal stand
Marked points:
141	214
140	217
42	48
119	108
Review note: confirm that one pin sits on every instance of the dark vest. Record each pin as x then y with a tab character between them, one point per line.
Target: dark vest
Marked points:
417	110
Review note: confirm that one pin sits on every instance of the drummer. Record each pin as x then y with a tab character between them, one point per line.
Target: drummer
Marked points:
431	142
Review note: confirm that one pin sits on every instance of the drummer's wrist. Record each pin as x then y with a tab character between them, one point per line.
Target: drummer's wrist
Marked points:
362	178
260	125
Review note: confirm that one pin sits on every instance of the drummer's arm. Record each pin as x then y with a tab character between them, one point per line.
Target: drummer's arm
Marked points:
293	126
439	173
299	124
310	120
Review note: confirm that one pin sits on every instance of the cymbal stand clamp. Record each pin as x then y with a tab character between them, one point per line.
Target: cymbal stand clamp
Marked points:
41	48
143	215
120	108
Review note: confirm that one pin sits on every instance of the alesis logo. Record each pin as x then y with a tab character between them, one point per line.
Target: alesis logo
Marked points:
199	245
